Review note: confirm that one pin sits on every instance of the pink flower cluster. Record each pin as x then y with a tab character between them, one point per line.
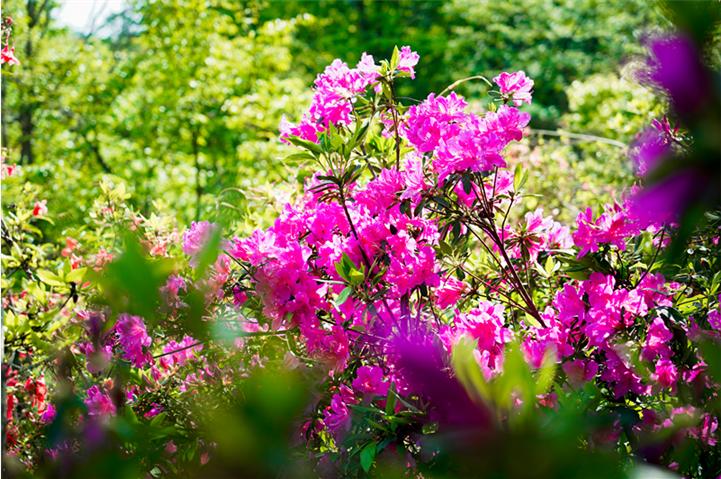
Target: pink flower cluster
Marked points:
613	227
294	259
461	141
134	339
336	90
597	312
485	325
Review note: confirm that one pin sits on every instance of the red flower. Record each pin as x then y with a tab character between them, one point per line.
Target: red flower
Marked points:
41	208
10	405
38	391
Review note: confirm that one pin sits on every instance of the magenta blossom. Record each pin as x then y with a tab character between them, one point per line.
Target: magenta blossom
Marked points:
195	238
666	373
133	339
49	414
677	66
407	60
336	417
99	403
369	380
154	410
657	341
516	87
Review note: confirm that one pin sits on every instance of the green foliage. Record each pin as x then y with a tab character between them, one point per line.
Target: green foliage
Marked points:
610	106
182	105
554	42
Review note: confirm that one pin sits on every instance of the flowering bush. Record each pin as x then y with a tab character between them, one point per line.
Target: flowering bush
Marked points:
404	313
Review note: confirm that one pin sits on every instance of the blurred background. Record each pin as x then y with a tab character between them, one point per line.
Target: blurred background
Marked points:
180	100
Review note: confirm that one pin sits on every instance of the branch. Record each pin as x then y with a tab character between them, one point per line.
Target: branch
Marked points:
578	136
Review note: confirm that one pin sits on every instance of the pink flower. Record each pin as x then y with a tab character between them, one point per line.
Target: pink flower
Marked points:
40	208
714	318
478	144
621	376
449	292
407	60
195	238
7	55
369	380
332	103
434	119
49	414
102	258
70	245
368	68
96	361
412	264
99	403
485	325
177	354
516	87
381	192
666	373
154	410
306	129
134	340
174	284
614	226
657	341
664	201
336	416
7	170
676	65
650	148
414	179
580	370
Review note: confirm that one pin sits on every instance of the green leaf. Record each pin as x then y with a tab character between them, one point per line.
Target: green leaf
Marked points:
308	145
467	370
343	296
467	184
299	157
132	282
711	351
50	278
532	321
209	253
356	277
395	58
367	456
519	177
546	374
76	276
391	400
551	266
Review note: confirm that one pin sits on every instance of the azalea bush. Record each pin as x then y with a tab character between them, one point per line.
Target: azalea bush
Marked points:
406	315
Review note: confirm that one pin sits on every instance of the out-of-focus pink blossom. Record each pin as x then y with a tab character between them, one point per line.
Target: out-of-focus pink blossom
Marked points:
7	55
195	239
99	403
